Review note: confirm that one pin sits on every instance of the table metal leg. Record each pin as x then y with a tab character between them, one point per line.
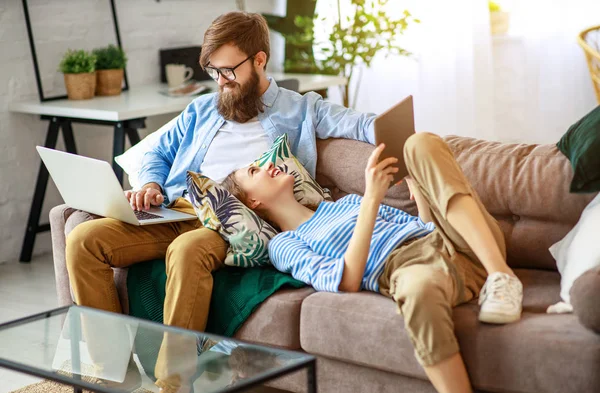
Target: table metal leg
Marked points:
33	223
68	137
75	335
134	136
118	149
312	377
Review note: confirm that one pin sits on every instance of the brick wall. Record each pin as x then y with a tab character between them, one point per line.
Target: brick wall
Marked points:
146	26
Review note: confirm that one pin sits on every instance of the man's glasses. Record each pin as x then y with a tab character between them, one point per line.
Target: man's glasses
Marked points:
226	72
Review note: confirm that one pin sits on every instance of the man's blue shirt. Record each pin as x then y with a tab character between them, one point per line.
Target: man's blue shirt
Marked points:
302	117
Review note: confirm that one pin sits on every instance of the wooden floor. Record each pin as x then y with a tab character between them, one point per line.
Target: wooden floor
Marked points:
27	289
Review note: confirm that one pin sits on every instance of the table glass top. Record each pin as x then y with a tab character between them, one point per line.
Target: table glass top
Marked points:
115	353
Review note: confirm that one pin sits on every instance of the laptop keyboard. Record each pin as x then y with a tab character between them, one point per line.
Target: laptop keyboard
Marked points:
141	215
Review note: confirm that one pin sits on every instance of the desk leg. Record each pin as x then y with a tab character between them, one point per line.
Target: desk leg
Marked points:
75	335
134	136
118	149
33	223
68	137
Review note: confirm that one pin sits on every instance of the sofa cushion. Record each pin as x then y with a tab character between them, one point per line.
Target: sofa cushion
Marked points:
277	320
306	190
525	187
541	353
584	296
218	209
341	168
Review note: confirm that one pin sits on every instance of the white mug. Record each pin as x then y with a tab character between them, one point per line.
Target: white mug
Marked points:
178	74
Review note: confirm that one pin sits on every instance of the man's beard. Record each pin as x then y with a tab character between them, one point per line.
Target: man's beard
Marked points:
240	103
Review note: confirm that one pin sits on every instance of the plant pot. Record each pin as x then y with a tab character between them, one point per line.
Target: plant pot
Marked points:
80	86
499	22
109	82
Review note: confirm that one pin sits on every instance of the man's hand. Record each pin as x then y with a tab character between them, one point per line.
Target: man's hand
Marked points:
379	175
149	195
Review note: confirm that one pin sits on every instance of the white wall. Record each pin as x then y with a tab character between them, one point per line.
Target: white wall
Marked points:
528	86
145	27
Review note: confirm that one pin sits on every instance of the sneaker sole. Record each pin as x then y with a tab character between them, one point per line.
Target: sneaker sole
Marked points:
498	319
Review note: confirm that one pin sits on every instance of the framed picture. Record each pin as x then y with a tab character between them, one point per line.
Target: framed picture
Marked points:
83	24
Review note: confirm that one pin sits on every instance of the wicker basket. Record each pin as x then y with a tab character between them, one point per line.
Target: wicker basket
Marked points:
589	40
80	86
109	82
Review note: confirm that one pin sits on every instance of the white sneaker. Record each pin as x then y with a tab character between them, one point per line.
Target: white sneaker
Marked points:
501	299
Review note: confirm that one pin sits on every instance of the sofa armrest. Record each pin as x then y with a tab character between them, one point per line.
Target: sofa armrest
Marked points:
584	297
63	220
58	218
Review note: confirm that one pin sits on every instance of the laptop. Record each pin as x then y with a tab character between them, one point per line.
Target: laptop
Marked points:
394	127
92	186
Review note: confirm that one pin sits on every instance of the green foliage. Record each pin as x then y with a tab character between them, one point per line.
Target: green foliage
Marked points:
356	40
494	7
77	62
110	58
299	55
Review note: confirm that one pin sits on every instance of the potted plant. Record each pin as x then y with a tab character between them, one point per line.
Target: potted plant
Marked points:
78	67
499	19
110	63
353	41
299	54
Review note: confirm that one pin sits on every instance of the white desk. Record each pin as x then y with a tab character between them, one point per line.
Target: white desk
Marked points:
126	113
145	101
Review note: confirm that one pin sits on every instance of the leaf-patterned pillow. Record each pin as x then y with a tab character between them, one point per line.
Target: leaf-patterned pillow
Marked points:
306	190
246	233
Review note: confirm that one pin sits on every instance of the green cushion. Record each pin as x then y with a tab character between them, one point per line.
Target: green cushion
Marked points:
236	293
581	145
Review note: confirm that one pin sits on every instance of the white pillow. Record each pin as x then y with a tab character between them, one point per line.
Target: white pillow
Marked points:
131	160
579	251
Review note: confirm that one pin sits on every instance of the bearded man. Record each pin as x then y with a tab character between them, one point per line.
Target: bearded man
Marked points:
215	135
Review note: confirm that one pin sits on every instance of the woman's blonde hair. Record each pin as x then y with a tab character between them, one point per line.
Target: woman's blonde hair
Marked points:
231	185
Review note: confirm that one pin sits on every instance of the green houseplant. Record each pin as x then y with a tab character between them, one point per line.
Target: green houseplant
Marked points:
299	55
110	64
78	67
353	41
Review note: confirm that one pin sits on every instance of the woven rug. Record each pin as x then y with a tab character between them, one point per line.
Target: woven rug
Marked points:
54	387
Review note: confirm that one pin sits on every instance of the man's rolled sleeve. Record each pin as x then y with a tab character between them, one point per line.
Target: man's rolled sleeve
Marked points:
337	121
157	163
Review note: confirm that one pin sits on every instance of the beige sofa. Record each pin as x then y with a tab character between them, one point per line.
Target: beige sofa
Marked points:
360	340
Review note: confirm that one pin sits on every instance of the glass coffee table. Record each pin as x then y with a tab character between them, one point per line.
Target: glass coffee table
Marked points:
111	353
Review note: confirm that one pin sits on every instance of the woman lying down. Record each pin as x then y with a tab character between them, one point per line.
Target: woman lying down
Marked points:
427	264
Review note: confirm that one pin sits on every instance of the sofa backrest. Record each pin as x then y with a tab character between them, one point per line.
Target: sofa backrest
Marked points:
525	187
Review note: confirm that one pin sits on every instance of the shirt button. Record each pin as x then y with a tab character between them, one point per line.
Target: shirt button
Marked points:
204	146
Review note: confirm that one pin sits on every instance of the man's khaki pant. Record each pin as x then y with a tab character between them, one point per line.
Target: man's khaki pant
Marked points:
429	276
192	253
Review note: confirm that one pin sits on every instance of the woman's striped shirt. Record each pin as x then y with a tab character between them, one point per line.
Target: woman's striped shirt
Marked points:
314	252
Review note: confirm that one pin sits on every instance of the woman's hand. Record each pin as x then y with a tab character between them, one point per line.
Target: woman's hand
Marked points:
379	175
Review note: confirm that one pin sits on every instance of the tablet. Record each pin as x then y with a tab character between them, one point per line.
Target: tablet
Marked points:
394	127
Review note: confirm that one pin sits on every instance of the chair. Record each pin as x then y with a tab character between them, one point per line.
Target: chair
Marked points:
290	84
589	40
